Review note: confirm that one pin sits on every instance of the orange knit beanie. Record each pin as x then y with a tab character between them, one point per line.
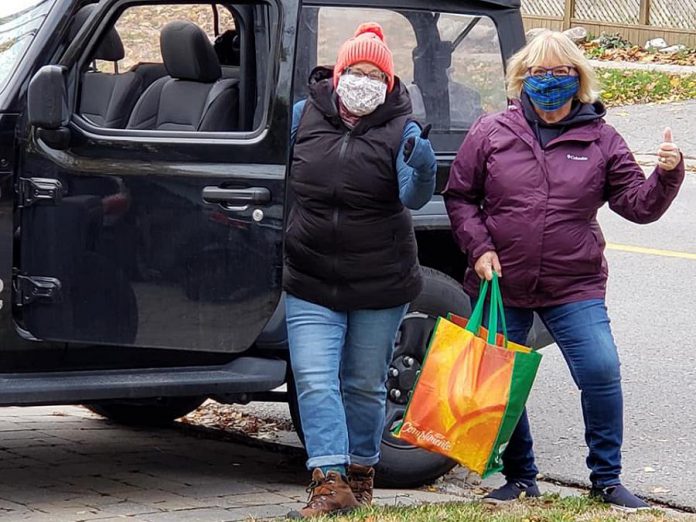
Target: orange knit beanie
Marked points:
367	45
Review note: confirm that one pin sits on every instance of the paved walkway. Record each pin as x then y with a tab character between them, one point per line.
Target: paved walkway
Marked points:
65	464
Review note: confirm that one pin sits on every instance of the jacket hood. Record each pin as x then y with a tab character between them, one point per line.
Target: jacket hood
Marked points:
323	95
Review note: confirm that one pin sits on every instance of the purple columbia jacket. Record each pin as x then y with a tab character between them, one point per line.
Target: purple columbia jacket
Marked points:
537	208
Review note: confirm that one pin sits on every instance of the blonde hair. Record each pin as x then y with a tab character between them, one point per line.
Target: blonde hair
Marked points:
552	44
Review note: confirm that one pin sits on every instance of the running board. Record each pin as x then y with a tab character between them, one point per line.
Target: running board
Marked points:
243	375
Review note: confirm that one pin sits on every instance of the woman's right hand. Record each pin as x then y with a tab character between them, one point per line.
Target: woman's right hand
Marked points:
486	264
669	154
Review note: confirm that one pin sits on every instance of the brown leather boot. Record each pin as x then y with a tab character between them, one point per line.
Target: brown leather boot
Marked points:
328	495
361	480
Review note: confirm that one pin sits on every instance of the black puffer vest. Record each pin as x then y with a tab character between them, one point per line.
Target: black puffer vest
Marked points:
350	243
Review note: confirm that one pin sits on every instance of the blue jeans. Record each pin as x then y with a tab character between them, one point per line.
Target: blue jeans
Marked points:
583	334
340	362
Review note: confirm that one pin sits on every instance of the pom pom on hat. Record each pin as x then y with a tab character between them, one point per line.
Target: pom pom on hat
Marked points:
370	27
367	45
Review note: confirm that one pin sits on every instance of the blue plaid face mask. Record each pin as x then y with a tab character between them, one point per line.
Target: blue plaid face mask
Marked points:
550	93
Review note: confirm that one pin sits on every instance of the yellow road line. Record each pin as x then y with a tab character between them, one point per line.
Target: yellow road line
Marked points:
651	251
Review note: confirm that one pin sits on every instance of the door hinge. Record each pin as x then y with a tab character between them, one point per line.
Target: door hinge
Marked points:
34	288
31	190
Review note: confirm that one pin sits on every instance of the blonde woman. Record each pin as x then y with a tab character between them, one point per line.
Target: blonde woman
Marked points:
523	197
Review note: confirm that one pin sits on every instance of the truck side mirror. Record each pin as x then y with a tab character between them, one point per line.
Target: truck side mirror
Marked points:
47	105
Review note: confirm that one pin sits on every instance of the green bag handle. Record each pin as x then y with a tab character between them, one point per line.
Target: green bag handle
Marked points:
496	312
493	312
476	319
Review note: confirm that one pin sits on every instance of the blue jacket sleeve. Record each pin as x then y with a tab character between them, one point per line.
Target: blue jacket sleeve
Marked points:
417	174
296	115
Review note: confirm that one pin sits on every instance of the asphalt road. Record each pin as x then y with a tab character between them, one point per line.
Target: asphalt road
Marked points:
642	125
651	301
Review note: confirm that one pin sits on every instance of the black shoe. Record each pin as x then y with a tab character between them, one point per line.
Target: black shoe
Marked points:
619	498
512	491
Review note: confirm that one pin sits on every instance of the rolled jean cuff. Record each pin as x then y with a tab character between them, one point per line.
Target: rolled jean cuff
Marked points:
327	460
601	484
364	461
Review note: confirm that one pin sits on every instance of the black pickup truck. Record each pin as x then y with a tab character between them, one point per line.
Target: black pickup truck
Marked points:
143	193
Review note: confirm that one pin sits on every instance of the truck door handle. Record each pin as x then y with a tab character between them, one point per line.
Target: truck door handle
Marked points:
237	199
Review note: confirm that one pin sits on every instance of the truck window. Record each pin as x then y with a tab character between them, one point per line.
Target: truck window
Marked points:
140	26
19	22
196	67
477	75
451	64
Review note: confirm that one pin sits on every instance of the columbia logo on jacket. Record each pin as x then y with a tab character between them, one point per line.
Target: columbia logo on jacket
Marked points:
576	158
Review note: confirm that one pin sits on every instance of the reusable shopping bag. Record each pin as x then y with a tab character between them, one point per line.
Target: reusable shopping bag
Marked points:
471	390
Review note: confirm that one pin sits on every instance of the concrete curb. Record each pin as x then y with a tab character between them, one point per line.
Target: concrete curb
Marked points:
466	485
643	66
660	502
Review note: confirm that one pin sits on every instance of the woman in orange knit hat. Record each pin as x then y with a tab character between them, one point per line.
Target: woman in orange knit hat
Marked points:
351	266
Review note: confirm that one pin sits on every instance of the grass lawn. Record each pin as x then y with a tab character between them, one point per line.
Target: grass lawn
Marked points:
628	87
549	508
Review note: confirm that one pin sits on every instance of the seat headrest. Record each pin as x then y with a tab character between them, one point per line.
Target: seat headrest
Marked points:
110	48
188	54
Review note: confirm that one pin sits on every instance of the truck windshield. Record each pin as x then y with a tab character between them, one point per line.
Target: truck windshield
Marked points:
19	22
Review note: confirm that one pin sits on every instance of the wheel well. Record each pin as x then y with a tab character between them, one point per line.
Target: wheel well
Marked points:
437	249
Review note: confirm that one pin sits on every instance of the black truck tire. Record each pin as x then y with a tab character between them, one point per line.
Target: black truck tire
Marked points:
403	465
146	412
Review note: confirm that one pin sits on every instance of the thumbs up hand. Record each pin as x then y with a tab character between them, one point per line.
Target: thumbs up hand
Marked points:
419	154
411	142
669	155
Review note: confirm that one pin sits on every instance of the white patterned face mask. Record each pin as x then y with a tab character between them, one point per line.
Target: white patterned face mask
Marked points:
361	95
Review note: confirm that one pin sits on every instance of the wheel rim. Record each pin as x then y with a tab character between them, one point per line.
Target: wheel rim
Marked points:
409	352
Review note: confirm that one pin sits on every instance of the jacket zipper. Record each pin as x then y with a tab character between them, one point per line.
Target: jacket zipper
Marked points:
336	212
344	145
